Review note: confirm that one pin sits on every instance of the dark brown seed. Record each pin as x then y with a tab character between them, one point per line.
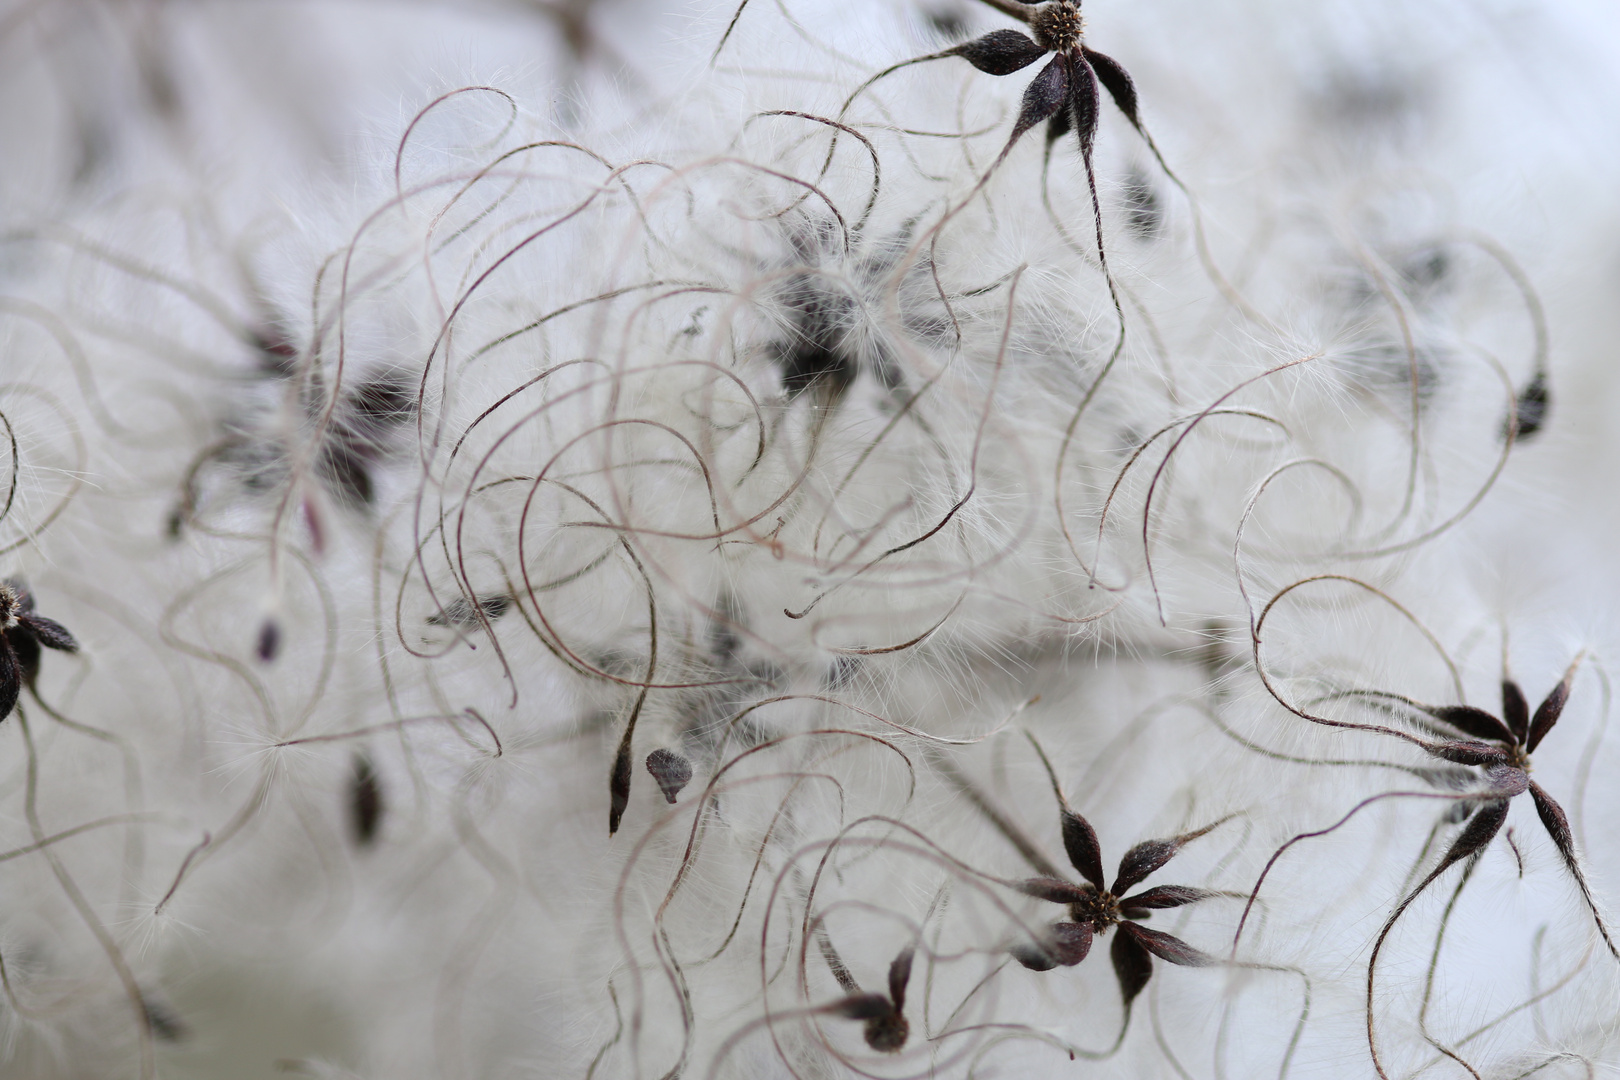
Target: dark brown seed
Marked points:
386	399
1167	947
887	1034
1080	841
1085	103
900	978
269	642
1033	956
1475	722
49	633
1145	216
461	612
1557	826
671	770
1164	896
1515	710
1479	832
1132	966
817	352
1067	943
1556	823
1053	889
1531	408
864	1007
345	465
10	678
1117	82
1547	714
161	1021
1071	942
365	801
1147	857
1469	753
619	786
1000	52
1045	95
1142	860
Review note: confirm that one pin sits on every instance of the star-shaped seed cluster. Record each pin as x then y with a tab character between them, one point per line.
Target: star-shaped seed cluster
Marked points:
23	633
1502	747
1096	907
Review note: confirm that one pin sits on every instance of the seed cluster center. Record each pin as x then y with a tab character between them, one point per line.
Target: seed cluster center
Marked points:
1058	26
1100	909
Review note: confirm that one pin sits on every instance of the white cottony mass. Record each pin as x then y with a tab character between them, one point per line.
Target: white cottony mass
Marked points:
682	538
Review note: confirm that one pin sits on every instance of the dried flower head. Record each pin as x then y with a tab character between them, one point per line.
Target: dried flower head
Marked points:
22	633
886	1026
1096	907
1502	747
1065	92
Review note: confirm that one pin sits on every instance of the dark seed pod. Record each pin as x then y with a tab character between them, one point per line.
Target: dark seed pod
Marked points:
1117	81
1469	753
949	25
672	771
1044	96
1476	723
160	1020
268	645
1000	52
619	780
1133	966
461	611
1530	410
887	1034
1143	211
365	801
1427	268
817	351
886	1026
1033	956
361	434
840	672
1166	947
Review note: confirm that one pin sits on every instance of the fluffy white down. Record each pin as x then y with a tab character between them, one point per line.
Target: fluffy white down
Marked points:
402	399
